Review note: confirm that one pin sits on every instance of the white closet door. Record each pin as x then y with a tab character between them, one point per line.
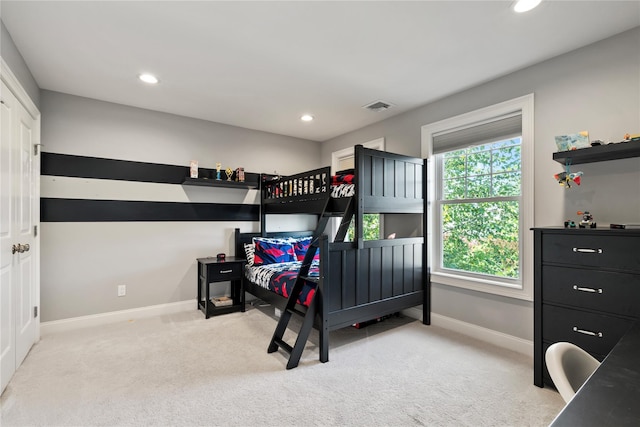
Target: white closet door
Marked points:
24	225
7	237
17	246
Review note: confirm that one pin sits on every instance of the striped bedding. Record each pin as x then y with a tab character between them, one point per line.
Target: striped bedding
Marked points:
342	186
280	278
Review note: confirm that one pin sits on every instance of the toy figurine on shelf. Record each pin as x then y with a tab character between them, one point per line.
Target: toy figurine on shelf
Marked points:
240	174
229	173
565	178
587	220
569	224
218	166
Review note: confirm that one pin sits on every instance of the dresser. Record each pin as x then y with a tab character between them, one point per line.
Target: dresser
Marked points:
586	289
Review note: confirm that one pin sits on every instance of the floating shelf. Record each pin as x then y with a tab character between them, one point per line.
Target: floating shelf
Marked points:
599	153
204	182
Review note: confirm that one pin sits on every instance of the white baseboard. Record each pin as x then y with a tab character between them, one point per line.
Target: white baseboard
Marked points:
500	339
116	316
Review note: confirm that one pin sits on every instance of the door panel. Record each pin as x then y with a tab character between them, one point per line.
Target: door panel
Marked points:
7	237
24	265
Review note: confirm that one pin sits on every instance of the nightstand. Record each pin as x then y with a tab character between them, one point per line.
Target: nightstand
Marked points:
211	271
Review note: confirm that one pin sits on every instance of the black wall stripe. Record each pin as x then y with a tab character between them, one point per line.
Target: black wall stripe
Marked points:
123	170
84	210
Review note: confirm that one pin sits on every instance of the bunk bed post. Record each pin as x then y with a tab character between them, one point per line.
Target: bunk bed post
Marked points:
323	292
359	197
426	300
263	215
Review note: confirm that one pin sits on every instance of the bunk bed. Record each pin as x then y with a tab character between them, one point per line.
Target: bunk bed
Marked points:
343	283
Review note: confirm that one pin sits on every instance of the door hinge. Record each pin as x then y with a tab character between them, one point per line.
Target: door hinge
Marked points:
36	149
35	231
35	311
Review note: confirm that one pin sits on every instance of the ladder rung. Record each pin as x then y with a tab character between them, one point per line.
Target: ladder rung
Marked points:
296	311
313	279
283	345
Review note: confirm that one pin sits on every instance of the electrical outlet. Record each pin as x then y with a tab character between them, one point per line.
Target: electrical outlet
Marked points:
122	290
278	312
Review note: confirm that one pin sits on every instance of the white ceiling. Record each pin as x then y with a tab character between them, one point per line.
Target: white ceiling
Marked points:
262	64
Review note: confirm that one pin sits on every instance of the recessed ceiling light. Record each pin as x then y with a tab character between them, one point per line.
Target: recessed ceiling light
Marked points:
306	118
148	78
525	5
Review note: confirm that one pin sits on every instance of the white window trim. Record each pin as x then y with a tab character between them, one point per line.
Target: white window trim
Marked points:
345	153
524	104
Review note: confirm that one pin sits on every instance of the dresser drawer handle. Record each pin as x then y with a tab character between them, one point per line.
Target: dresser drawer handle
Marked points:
583	289
587	250
225	271
583	331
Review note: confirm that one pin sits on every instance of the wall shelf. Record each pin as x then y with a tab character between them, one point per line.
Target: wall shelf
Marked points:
599	153
251	182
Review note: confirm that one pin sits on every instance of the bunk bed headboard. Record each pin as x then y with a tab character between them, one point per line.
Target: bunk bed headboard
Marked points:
242	238
388	182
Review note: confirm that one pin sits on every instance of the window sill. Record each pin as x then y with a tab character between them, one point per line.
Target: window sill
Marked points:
483	285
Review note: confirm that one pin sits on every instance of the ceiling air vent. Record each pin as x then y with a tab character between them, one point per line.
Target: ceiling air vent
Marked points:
378	106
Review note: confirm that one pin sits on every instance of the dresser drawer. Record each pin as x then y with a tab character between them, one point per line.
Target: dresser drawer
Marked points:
595	333
616	252
617	293
222	272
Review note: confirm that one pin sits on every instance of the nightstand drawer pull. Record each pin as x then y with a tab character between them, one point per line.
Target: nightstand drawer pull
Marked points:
587	250
583	331
225	271
583	289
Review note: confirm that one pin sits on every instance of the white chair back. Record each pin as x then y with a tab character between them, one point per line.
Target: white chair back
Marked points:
569	367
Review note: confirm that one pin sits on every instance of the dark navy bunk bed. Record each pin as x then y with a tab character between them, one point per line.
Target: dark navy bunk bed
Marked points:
351	282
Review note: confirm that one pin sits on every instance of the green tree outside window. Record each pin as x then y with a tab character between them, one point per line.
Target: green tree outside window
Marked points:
480	209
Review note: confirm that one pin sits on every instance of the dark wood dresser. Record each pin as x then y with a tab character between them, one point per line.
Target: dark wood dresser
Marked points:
586	289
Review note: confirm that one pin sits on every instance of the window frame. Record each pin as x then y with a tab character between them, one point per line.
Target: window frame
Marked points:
523	289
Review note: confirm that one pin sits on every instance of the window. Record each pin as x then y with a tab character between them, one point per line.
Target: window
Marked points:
371	229
478	199
481	171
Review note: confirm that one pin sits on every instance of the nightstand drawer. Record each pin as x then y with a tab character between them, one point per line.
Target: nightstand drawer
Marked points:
595	333
617	293
616	252
224	271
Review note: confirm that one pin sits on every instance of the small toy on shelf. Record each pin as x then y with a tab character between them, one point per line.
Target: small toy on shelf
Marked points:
569	224
194	169
218	166
587	220
566	178
628	137
240	174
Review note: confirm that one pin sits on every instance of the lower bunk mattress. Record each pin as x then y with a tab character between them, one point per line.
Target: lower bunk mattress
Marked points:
280	278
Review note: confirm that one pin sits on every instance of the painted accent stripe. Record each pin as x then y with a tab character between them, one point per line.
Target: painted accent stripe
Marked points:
63	187
123	170
86	210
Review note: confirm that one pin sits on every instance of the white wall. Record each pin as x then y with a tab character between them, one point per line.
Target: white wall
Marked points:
83	262
14	60
595	88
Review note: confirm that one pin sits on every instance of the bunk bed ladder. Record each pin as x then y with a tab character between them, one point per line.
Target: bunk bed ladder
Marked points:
309	315
344	224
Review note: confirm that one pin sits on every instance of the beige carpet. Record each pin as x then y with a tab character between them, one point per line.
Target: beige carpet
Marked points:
183	370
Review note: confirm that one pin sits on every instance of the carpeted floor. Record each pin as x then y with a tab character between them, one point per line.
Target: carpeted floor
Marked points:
183	370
